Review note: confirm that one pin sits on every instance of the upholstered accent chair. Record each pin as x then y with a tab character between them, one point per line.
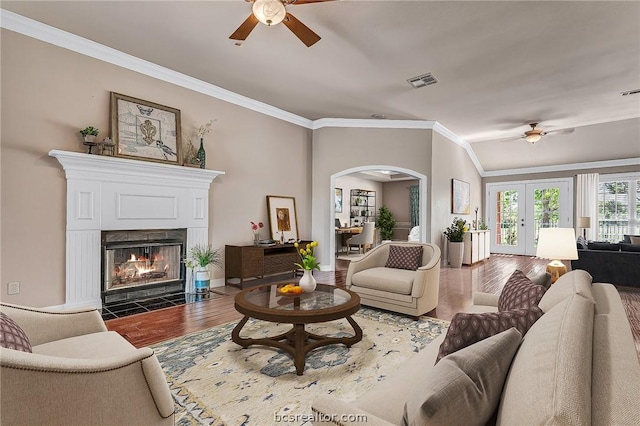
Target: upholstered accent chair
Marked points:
381	284
414	234
78	373
364	239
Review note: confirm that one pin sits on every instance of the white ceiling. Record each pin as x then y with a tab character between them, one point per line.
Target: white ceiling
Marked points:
500	65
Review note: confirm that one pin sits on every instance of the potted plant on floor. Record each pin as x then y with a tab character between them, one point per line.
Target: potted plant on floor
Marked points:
199	259
455	246
385	223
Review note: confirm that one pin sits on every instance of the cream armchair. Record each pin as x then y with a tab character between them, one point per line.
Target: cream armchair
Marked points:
79	373
409	292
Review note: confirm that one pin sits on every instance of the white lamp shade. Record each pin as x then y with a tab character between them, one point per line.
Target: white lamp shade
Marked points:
269	12
584	222
557	244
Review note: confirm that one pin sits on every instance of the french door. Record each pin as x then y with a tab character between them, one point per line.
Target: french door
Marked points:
517	210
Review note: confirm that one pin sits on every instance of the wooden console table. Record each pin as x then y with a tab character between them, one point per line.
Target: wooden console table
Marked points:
259	261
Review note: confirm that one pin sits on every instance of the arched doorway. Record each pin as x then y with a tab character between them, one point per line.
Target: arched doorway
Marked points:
422	184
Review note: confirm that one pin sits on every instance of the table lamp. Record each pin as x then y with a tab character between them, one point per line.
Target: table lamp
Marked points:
584	223
557	244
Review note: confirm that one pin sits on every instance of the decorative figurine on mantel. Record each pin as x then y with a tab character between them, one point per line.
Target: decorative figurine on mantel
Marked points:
108	146
89	135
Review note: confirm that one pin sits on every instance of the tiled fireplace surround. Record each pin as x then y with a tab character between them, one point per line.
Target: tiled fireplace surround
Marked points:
109	193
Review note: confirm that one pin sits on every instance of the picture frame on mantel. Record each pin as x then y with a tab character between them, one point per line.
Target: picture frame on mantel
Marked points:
143	130
283	217
460	197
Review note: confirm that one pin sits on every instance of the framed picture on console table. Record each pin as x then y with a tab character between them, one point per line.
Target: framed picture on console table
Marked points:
144	130
283	217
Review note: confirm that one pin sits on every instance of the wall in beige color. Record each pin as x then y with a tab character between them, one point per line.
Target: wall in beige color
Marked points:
338	149
450	161
49	93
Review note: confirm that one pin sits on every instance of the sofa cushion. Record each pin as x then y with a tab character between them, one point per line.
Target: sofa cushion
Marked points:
574	282
549	382
466	329
603	245
385	279
519	292
629	247
12	336
465	385
87	346
581	243
404	257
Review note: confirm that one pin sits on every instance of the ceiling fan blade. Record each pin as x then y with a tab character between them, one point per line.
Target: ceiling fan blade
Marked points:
245	29
305	1
301	31
560	131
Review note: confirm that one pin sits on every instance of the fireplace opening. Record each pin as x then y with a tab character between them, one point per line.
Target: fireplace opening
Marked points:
137	264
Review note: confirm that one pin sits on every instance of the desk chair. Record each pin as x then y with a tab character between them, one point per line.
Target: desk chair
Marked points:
338	224
364	239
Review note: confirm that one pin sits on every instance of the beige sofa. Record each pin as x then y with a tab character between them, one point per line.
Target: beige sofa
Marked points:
577	365
79	374
399	290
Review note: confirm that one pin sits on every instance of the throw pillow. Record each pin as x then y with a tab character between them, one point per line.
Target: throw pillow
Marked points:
581	243
634	239
466	329
542	278
465	387
404	257
629	247
519	292
12	336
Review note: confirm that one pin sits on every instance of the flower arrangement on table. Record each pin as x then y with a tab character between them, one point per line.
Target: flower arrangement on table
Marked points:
308	261
455	232
255	228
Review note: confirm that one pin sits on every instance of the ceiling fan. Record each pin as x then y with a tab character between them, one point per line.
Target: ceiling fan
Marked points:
272	12
534	135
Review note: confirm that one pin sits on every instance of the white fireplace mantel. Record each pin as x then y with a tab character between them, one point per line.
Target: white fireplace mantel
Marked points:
111	193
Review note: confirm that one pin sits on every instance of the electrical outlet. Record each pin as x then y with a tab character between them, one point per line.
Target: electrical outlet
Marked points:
13	287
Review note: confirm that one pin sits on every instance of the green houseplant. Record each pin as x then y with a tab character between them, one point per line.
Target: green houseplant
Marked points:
198	260
455	235
89	133
385	223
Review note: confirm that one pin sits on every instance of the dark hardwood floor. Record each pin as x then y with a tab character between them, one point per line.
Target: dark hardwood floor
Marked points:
456	288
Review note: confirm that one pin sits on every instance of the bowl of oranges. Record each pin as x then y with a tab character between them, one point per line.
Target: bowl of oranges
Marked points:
290	290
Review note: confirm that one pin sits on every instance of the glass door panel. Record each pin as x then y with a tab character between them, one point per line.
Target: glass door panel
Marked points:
506	214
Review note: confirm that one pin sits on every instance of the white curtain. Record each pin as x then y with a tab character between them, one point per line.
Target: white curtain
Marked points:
587	202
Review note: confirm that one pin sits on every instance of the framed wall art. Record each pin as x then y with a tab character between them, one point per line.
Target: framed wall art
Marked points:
144	130
460	197
338	199
283	218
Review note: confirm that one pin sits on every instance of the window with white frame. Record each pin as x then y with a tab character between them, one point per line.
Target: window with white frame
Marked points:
618	206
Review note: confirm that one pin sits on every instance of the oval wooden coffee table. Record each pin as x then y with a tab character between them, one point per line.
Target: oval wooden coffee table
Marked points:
326	303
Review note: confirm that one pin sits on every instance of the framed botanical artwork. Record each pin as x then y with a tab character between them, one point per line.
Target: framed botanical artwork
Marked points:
283	218
144	130
338	199
460	197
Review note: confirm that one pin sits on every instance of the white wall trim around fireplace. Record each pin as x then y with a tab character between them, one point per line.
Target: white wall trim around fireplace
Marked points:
110	193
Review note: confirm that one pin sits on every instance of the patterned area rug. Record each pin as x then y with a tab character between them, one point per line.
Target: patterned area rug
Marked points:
216	382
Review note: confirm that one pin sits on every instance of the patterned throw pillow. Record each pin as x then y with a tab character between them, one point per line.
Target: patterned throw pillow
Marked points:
404	257
467	329
12	336
519	292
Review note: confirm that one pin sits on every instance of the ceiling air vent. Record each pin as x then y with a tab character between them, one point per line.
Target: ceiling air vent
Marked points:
630	92
422	80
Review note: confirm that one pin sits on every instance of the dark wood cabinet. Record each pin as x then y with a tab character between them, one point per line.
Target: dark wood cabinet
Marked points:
257	262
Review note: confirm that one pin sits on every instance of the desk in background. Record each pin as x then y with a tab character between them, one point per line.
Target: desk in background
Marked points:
343	234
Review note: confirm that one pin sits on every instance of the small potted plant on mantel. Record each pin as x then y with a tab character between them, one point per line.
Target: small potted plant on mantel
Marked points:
89	133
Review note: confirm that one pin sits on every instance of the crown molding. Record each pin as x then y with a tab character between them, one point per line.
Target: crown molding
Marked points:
48	34
372	123
565	167
463	143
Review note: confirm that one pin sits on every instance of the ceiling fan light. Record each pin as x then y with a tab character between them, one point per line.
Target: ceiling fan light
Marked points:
533	138
269	12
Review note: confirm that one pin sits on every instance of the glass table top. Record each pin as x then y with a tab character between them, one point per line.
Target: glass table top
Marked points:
324	296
